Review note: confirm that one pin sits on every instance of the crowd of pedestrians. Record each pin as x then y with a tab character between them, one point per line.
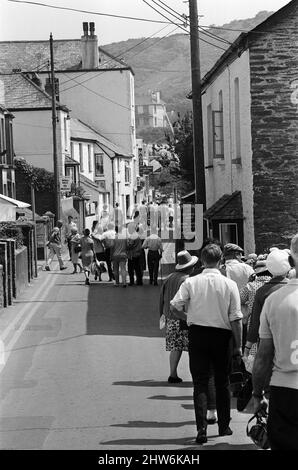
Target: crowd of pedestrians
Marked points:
113	246
229	309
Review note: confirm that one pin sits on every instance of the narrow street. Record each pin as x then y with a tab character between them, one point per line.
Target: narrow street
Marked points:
86	368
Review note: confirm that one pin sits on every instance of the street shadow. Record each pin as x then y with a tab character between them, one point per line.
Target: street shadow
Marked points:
186	443
152	424
182	441
152	383
123	312
165	397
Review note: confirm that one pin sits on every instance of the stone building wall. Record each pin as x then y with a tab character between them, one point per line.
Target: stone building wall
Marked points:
274	112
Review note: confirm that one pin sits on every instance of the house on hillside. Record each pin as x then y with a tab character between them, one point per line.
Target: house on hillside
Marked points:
151	111
250	113
97	87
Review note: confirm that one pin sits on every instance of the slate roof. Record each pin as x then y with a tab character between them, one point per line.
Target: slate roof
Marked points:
81	131
34	55
229	206
21	92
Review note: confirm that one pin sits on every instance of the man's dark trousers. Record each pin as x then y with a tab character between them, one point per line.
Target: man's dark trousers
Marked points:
153	265
283	418
134	266
210	347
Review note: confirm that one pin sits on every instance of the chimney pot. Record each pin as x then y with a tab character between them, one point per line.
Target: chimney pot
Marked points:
85	28
92	28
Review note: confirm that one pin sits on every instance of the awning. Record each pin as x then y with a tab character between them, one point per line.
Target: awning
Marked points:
228	207
91	188
14	202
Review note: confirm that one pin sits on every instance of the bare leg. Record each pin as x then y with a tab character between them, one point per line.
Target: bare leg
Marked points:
174	361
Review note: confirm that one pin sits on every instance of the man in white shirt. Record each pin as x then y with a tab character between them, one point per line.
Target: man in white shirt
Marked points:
278	352
235	269
211	303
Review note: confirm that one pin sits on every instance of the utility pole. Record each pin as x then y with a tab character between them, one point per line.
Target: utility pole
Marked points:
198	144
54	126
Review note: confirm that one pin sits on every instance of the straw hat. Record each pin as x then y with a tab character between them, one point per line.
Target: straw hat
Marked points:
185	260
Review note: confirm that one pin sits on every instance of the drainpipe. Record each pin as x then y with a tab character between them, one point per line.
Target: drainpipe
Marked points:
113	181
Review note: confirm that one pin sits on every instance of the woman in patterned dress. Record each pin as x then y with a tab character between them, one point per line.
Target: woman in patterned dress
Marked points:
176	330
87	253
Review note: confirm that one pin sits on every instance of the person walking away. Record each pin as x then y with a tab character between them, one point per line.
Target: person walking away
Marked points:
134	251
278	352
108	238
176	330
99	249
171	215
235	269
55	247
87	254
118	217
155	249
68	233
213	316
277	263
119	258
248	292
75	242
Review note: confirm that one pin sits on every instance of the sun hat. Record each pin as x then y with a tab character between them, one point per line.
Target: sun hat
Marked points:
277	262
260	266
232	248
185	260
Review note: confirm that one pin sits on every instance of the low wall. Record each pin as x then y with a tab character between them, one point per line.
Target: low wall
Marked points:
21	270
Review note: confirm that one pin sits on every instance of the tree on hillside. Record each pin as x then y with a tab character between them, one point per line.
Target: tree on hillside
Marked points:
183	144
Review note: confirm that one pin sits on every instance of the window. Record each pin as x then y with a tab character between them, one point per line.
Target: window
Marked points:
72	150
65	134
218	134
228	233
89	158
127	172
118	160
2	136
237	120
99	168
71	173
210	134
4	182
118	188
81	158
10	183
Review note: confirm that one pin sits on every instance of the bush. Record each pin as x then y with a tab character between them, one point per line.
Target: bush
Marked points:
11	230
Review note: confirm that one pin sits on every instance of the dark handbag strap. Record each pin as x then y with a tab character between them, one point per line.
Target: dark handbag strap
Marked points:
256	416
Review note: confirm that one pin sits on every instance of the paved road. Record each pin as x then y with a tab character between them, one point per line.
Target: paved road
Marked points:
85	368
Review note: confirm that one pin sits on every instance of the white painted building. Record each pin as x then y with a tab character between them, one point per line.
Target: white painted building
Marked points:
98	89
227	143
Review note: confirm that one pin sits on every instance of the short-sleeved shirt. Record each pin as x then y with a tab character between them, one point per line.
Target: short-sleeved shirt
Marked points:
210	298
238	272
279	321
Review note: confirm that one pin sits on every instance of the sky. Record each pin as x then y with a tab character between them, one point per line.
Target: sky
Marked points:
31	22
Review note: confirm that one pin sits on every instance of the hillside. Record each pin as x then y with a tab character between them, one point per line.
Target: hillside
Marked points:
164	63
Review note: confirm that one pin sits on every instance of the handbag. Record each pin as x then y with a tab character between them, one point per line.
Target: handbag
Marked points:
258	432
162	322
77	248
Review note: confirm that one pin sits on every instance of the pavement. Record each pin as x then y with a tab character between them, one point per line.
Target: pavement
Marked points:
85	368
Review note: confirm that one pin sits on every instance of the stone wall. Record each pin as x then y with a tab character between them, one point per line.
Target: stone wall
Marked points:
274	111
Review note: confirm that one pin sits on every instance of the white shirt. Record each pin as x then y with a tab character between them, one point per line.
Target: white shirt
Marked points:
238	272
210	299
279	321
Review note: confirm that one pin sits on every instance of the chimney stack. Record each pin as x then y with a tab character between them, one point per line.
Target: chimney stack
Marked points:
90	54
